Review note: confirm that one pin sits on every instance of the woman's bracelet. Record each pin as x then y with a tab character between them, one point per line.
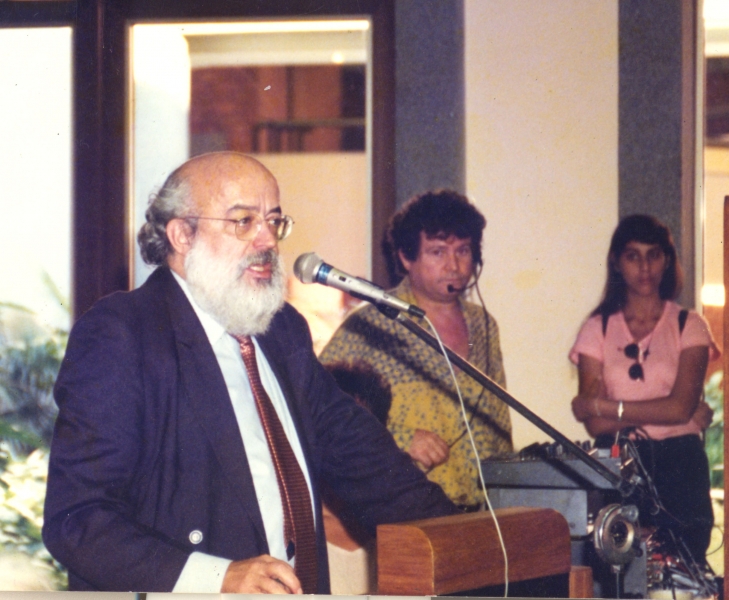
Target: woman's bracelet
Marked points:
621	408
597	408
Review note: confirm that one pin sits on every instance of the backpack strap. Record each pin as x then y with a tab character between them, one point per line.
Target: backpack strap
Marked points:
682	316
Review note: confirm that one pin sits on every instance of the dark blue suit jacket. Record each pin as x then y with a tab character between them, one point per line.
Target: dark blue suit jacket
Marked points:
147	449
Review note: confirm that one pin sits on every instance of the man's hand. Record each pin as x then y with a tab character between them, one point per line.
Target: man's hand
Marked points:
260	575
428	448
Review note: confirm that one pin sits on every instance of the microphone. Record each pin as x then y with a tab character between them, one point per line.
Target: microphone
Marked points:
309	268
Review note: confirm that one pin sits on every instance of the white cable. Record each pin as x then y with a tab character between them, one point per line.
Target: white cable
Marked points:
478	458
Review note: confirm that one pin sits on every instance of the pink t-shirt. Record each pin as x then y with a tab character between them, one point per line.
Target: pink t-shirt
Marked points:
660	365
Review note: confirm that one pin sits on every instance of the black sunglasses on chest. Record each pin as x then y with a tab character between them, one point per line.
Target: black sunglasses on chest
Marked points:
632	351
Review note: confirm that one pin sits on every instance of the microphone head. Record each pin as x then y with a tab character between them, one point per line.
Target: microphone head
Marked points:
307	266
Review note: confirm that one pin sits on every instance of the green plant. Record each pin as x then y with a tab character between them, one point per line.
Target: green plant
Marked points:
714	444
22	494
28	369
30	356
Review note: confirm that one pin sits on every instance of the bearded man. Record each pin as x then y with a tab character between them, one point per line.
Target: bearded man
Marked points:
168	471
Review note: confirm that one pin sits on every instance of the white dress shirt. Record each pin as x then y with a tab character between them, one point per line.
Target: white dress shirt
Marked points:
203	572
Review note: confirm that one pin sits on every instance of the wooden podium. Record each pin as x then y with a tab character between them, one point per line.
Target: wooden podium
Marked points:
462	552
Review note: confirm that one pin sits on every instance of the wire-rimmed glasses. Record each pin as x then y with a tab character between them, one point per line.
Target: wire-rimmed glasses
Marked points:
249	225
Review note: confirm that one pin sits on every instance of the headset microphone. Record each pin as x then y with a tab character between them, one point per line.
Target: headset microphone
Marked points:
452	288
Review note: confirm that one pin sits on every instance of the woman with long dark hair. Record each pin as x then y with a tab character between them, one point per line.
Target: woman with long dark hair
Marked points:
642	360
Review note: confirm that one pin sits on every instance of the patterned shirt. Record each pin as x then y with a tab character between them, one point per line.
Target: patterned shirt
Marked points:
423	394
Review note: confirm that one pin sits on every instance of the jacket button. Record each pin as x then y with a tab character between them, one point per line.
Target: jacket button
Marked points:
196	536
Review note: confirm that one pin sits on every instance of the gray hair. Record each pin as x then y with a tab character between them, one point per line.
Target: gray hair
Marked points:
172	201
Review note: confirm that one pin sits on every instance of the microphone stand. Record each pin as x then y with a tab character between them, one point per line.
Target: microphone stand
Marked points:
624	487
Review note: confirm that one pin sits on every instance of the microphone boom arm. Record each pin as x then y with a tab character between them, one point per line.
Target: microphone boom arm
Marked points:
482	379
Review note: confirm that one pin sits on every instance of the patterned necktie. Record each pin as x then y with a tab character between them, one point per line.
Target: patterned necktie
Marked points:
299	535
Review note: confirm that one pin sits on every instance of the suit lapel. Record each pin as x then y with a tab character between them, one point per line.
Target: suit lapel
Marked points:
208	395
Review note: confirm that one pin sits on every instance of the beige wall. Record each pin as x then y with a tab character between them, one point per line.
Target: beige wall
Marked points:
541	163
327	194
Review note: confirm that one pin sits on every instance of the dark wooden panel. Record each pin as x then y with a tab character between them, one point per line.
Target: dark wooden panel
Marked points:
383	133
208	9
100	253
37	14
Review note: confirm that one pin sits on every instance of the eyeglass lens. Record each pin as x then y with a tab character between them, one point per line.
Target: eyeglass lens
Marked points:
635	371
248	227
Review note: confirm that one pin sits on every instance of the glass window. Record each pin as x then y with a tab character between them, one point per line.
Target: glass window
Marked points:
35	172
35	283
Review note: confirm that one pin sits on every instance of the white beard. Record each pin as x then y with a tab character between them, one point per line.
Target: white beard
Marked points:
220	290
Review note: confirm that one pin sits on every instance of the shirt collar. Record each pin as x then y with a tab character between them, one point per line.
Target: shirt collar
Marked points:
214	330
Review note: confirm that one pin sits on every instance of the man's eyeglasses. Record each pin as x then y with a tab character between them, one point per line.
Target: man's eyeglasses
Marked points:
248	226
632	351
